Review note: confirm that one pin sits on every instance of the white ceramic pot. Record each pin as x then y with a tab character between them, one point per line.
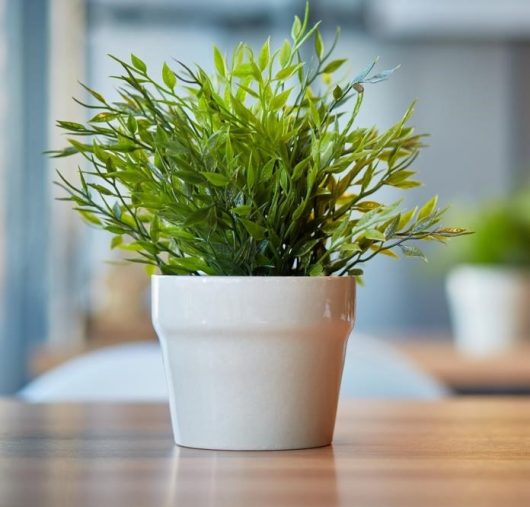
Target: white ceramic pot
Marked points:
490	308
253	363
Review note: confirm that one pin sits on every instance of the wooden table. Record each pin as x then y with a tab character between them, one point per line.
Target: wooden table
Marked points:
461	452
505	372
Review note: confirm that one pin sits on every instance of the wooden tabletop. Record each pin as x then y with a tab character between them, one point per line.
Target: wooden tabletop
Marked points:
461	452
502	372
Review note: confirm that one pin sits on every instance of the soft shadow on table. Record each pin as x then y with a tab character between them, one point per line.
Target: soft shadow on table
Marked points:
226	478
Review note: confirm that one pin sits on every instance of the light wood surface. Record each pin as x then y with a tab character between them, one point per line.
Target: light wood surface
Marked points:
505	370
460	452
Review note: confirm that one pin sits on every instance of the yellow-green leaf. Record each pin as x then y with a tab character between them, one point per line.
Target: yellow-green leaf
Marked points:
285	53
90	217
264	54
138	63
116	241
333	66
428	207
319	45
219	61
280	99
168	76
296	28
150	269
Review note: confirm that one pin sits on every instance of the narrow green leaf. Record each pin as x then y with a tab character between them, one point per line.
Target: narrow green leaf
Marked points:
90	217
132	124
333	66
264	55
316	270
103	117
138	63
296	28
428	208
374	235
279	100
412	251
284	56
168	76
219	61
288	71
216	179
154	229
116	241
197	217
319	45
255	230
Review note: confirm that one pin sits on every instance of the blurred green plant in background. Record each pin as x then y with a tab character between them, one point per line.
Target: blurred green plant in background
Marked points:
501	233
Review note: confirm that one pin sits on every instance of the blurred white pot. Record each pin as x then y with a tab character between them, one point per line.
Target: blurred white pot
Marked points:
253	362
490	308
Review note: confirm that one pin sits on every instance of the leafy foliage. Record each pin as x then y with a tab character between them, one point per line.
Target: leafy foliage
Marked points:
501	233
251	171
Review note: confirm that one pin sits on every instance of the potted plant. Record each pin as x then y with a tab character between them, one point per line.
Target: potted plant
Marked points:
488	286
246	190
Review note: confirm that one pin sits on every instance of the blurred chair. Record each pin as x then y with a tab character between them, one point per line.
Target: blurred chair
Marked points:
135	372
375	369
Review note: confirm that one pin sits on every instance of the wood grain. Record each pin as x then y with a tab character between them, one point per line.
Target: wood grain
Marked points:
460	452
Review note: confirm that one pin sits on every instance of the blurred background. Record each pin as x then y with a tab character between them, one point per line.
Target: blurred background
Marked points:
466	63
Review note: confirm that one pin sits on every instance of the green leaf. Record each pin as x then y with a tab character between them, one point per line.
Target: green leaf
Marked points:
316	270
94	94
412	251
296	28
100	189
279	100
70	125
103	117
242	210
374	235
216	179
243	70
350	248
197	217
284	55
150	269
168	76
132	124
154	229
264	55
90	217
288	71
255	230
333	66
138	63
116	242
219	61
319	45
428	208
190	264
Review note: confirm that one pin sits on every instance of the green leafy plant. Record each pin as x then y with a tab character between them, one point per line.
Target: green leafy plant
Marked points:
258	169
501	233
